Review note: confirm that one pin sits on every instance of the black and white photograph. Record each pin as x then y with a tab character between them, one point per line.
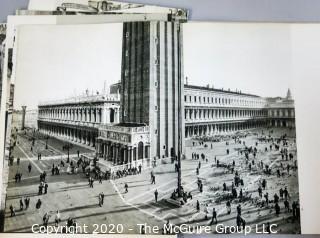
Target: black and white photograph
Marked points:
152	127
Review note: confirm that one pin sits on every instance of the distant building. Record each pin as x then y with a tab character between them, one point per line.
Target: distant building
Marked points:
281	111
77	119
115	88
211	111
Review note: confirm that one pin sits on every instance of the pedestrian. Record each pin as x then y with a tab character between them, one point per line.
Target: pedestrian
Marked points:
277	208
206	212
29	167
38	204
224	187
214	216
266	196
45	188
264	184
294	210
21	204
57	218
228	207
12	211
281	193
100	178
156	195
198	206
40	189
102	198
46	218
276	198
126	187
286	193
153	181
240	194
90	182
238	220
286	205
27	202
239	210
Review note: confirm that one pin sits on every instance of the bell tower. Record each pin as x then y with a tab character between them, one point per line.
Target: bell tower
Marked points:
152	82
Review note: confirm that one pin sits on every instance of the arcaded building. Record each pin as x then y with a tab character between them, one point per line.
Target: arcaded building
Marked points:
99	121
209	111
78	119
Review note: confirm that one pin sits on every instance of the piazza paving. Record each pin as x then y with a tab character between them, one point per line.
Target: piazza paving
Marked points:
72	196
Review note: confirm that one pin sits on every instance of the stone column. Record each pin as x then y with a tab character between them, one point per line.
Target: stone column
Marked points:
130	155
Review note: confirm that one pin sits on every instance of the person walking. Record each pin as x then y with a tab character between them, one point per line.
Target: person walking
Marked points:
156	195
153	179
46	188
21	204
57	218
198	206
228	204
38	204
206	212
12	211
214	216
100	200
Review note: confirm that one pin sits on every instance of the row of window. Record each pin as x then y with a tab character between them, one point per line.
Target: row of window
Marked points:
222	113
222	100
52	112
281	113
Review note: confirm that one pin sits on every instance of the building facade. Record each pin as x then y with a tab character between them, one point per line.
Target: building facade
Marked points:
77	119
210	111
281	111
151	93
96	120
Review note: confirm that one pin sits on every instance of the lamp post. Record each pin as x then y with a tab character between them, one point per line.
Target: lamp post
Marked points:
179	187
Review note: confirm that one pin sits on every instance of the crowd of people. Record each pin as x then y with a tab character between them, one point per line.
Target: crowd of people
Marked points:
236	192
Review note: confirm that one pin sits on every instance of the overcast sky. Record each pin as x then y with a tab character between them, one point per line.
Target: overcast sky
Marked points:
253	58
55	62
